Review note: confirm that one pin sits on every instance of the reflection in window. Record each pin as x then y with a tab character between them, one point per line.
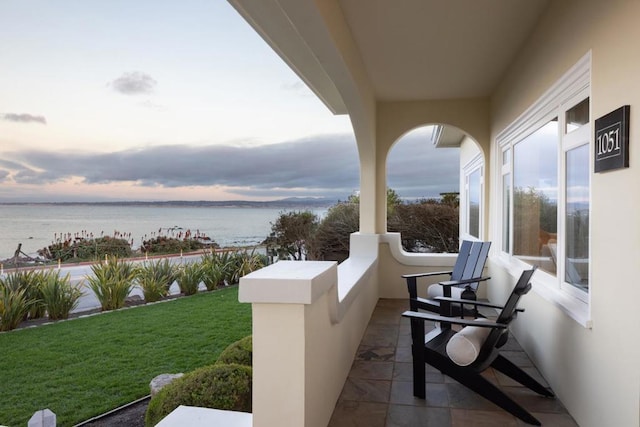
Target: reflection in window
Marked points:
577	116
577	218
474	203
535	197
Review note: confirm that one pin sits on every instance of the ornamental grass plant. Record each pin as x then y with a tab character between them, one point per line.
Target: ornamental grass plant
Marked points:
112	281
155	278
14	306
30	281
189	278
59	296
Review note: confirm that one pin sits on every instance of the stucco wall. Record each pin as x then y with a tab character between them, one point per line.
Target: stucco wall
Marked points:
595	372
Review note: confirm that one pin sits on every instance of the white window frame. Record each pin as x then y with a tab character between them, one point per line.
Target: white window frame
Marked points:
571	88
475	165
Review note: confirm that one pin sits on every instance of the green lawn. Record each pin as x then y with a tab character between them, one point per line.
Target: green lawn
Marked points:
84	367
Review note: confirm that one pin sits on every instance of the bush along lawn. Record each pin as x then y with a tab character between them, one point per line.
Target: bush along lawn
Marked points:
84	367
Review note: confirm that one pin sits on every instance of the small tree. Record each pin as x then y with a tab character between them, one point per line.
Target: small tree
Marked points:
331	240
290	234
427	225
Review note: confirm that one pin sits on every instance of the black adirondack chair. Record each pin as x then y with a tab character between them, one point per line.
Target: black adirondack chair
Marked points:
463	282
449	351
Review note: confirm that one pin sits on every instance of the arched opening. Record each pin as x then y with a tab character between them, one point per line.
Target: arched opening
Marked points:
435	181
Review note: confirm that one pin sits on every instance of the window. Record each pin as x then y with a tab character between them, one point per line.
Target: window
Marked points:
472	202
535	197
545	164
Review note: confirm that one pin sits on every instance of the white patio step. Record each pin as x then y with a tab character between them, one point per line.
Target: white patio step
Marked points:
190	416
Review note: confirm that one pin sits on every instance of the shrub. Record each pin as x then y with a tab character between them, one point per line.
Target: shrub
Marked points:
58	295
331	240
172	245
290	233
217	386
87	248
14	306
112	281
155	279
239	353
244	263
31	282
427	225
189	278
214	266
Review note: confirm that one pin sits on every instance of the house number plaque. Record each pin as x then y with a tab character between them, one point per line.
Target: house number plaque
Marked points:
612	140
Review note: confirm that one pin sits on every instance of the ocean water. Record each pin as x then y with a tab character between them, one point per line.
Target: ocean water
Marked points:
35	226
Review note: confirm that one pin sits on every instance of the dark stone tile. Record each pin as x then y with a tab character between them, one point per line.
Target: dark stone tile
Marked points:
385	316
368	352
403	354
402	393
518	358
555	420
380	335
461	397
474	418
372	370
415	416
404	340
404	372
358	414
533	402
364	390
505	381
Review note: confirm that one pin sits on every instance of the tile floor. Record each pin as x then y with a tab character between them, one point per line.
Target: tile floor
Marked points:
379	393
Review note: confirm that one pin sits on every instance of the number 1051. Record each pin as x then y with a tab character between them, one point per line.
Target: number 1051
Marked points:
608	142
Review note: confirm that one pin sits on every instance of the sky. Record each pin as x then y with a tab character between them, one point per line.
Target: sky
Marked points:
181	100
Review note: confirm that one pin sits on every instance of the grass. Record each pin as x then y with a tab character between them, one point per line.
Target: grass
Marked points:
84	367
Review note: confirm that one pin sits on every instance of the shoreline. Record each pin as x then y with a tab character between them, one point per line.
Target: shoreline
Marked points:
7	265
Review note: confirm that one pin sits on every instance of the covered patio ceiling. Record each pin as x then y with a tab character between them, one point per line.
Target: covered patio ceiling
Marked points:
409	50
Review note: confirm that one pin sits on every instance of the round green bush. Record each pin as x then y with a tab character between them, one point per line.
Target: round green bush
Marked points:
215	386
239	352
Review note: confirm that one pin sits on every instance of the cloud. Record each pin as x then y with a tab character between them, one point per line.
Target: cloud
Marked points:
315	166
24	118
134	83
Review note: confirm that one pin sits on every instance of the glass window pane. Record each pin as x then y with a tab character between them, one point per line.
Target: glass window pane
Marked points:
535	197
577	218
474	203
577	116
506	157
506	212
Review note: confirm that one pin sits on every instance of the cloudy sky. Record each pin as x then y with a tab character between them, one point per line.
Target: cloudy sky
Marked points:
182	100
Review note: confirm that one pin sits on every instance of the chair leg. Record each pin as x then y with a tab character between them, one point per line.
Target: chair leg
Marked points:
486	389
507	367
419	367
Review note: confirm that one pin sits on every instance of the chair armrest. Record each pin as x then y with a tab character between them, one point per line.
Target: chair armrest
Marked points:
433	273
462	282
474	302
454	320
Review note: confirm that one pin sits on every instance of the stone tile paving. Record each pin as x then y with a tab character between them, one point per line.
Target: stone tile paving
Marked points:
379	390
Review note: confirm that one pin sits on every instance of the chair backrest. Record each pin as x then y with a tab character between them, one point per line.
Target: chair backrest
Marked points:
497	337
470	262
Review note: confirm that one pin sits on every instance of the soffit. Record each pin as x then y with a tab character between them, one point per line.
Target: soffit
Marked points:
438	49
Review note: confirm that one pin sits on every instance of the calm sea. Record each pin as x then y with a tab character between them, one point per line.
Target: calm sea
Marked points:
36	225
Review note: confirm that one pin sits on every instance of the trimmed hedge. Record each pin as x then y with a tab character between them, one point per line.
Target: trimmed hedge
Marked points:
224	385
239	353
217	386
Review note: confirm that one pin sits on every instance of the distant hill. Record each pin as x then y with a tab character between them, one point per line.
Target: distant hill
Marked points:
290	202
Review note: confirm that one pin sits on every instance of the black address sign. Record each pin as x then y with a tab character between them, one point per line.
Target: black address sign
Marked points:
612	140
